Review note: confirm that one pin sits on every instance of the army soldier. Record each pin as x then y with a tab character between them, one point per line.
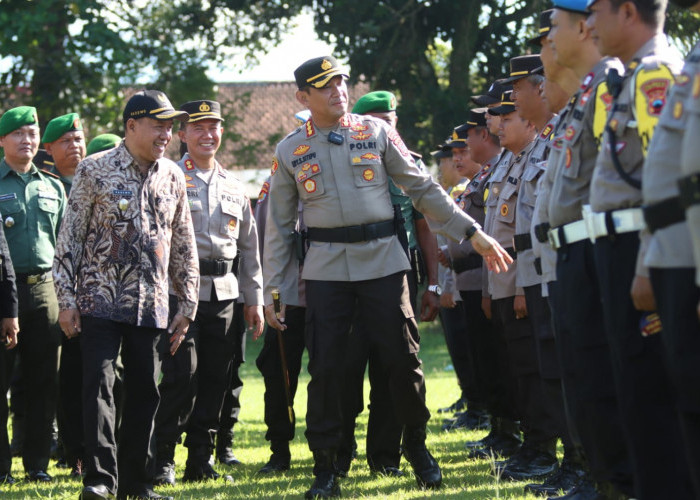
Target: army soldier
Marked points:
338	166
127	233
632	31
669	255
32	204
9	328
64	140
103	142
197	376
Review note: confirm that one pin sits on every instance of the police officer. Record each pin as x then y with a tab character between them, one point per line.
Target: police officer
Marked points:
9	328
64	140
338	166
669	255
633	32
197	376
32	204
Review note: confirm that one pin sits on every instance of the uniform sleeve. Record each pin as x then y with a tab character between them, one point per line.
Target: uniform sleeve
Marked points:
442	214
8	286
690	164
183	268
279	227
250	274
71	236
261	214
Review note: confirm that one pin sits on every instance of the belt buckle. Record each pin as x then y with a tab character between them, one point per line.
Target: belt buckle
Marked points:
553	240
33	279
219	267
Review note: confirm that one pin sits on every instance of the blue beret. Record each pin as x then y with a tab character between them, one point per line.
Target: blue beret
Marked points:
580	6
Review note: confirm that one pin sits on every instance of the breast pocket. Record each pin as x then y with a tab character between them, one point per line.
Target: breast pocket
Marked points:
528	189
197	215
12	209
309	181
368	171
231	219
506	204
673	116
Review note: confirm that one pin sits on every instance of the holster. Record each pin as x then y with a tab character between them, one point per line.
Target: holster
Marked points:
300	245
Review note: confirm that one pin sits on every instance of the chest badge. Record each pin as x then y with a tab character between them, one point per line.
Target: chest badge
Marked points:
504	210
123	204
232	225
301	149
310	186
368	174
9	222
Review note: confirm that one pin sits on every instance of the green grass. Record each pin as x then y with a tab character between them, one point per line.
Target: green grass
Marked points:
463	478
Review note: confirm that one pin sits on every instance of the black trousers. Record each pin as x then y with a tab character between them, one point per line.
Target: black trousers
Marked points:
39	351
587	373
391	331
677	298
643	387
279	427
5	373
70	400
214	348
231	407
454	327
128	466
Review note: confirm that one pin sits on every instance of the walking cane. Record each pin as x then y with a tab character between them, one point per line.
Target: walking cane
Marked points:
283	357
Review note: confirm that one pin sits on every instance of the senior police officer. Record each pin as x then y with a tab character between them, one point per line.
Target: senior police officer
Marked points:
9	329
673	270
338	166
632	31
196	377
127	234
32	204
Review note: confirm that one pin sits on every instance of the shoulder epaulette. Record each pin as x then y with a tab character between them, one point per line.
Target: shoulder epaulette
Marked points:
415	155
55	176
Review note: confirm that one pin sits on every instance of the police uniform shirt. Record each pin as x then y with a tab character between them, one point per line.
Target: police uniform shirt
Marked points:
671	246
223	224
502	285
31	212
690	153
500	172
534	167
471	201
345	184
633	118
576	144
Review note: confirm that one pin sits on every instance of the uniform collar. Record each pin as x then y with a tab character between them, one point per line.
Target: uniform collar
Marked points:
655	45
5	169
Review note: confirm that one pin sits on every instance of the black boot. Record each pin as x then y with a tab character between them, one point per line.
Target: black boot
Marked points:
279	460
426	469
325	483
224	453
504	443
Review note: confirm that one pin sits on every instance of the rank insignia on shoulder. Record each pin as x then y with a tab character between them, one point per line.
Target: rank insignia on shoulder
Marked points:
301	149
275	165
50	174
345	121
189	164
310	130
587	80
189	185
310	186
547	130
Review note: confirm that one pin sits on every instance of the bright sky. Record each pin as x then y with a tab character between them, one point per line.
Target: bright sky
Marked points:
279	64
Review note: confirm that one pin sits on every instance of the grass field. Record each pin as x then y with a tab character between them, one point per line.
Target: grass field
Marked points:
463	478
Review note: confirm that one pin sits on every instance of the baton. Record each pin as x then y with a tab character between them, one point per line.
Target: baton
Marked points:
283	358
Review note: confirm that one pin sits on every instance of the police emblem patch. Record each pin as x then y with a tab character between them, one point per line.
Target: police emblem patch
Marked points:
302	175
369	156
301	149
232	224
650	324
275	165
310	186
306	167
368	174
315	168
361	136
504	210
570	131
655	92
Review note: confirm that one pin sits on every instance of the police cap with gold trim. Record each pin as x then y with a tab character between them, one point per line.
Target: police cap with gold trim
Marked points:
202	110
507	105
493	94
17	117
523	66
60	125
152	104
545	26
459	137
318	71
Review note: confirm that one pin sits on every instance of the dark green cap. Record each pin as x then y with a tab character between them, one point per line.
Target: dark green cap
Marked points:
379	101
60	125
103	142
18	117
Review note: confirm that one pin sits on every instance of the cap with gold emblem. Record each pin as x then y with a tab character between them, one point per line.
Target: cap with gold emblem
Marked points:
507	105
18	117
318	71
459	137
545	27
523	66
152	104
379	101
60	125
493	94
202	110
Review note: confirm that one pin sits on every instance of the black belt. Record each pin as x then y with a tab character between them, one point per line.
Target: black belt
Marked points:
218	267
33	279
541	232
522	242
538	266
663	214
689	188
352	234
471	261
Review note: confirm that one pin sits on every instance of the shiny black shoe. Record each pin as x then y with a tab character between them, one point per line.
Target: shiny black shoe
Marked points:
37	476
425	467
387	470
469	420
502	445
528	465
325	485
459	405
7	479
563	480
145	494
277	463
95	492
165	474
226	457
201	471
584	490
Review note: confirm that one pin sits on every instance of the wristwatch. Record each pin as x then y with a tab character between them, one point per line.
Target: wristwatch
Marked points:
435	289
471	231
